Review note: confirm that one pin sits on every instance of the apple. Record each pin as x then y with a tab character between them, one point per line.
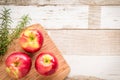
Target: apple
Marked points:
46	63
18	64
31	40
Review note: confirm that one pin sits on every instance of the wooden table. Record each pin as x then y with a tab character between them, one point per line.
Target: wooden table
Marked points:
87	32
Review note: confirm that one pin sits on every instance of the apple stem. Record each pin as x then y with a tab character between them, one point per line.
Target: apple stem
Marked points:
31	36
16	64
47	59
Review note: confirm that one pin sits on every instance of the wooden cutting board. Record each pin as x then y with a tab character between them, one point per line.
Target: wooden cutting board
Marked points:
48	46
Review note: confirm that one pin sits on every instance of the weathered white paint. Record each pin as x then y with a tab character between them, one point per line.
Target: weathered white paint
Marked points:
87	42
105	67
54	17
110	17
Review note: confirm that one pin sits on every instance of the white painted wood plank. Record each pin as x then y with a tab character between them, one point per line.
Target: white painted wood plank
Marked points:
87	42
110	17
84	2
61	2
53	17
57	17
105	67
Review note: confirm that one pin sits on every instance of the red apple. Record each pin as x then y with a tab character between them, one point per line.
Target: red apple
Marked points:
31	40
18	64
46	63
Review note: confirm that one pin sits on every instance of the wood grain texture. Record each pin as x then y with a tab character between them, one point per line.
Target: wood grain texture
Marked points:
94	17
55	17
60	2
87	42
48	46
103	67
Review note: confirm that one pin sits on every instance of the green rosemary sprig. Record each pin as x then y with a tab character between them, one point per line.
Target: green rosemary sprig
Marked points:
4	29
5	36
